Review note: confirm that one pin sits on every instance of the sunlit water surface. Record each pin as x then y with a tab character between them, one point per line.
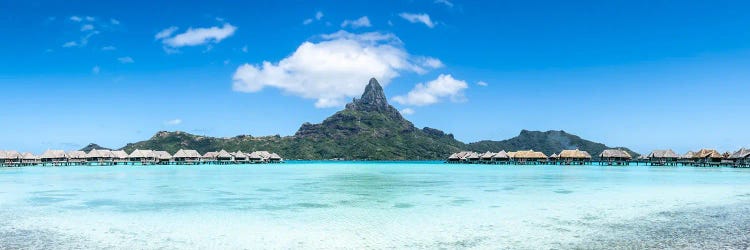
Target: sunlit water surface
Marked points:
373	205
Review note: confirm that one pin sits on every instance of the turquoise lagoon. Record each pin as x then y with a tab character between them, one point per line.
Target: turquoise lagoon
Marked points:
377	205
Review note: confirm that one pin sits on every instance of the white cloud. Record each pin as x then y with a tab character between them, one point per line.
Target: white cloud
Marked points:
114	21
87	27
244	49
318	16
165	33
407	111
107	48
445	86
90	19
418	18
358	23
332	70
70	44
482	83
96	70
445	2
76	19
193	37
173	122
432	62
125	60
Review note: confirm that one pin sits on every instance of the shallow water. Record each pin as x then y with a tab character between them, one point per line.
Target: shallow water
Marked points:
373	205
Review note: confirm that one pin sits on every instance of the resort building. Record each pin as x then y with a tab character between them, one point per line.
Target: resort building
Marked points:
144	157
574	157
240	157
663	158
162	157
458	157
707	157
275	158
10	158
76	157
119	156
617	157
187	156
486	157
29	159
54	157
528	157
473	157
100	157
501	157
741	158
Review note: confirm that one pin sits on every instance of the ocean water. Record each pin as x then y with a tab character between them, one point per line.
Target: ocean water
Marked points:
353	205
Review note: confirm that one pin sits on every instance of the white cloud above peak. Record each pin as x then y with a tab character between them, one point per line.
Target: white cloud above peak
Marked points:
444	87
358	23
332	70
194	37
445	2
418	18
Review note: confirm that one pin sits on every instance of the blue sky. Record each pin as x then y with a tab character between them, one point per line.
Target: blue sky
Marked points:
641	74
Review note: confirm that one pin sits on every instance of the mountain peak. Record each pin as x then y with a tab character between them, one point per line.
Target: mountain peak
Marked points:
372	99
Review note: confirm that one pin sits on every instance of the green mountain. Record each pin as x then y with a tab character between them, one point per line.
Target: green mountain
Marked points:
91	146
367	129
548	142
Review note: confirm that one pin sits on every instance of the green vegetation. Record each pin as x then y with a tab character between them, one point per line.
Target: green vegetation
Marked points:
367	129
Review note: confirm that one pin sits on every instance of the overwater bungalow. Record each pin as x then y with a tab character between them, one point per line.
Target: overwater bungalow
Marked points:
162	157
187	156
119	157
574	157
458	157
144	157
663	158
100	157
275	158
707	157
224	157
54	157
486	157
240	157
528	157
10	158
617	157
741	158
76	157
255	157
554	158
473	157
29	159
501	157
687	158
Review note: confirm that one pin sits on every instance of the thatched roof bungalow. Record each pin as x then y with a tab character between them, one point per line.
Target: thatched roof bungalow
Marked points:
528	156
30	159
142	156
707	156
119	156
210	156
487	156
239	156
255	157
100	155
661	157
225	156
741	157
76	156
615	156
458	157
54	156
187	156
501	156
162	157
473	157
574	156
275	158
10	158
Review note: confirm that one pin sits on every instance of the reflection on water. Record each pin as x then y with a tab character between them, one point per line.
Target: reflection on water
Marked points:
374	205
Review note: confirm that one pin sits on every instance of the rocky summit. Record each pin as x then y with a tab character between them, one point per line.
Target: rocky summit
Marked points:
367	129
